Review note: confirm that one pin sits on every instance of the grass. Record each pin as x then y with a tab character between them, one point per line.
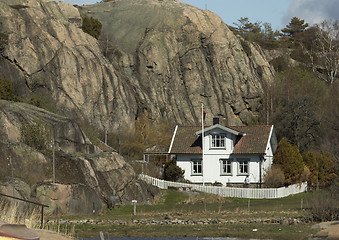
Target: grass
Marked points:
11	212
216	230
14	212
202	206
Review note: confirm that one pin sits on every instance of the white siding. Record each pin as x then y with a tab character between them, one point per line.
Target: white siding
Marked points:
211	167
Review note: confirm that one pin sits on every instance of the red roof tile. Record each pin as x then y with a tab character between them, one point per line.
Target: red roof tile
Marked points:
255	141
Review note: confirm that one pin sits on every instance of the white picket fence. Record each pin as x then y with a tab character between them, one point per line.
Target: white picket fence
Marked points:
253	193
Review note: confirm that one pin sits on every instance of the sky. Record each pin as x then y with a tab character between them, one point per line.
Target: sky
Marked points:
276	12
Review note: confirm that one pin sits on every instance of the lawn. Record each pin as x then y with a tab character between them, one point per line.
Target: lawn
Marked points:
200	206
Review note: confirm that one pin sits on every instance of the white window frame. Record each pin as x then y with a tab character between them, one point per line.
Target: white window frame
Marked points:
240	163
229	161
197	161
222	137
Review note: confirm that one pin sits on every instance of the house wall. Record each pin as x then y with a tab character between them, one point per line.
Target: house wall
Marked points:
268	158
221	151
184	161
212	168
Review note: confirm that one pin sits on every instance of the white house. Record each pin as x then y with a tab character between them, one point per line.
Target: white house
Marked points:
232	155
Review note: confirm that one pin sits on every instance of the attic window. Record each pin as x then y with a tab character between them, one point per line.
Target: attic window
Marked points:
218	141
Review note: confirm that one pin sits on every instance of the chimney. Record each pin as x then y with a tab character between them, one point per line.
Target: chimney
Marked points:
215	120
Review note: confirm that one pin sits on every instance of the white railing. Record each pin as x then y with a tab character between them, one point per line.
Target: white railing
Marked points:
253	193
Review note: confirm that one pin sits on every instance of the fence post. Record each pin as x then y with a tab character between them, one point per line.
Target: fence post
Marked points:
42	217
134	202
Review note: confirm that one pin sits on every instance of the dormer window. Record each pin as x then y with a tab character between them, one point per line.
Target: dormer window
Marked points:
218	141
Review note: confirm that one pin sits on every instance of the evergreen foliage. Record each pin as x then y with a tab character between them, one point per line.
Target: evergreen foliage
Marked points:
257	32
312	164
91	26
172	172
289	160
295	26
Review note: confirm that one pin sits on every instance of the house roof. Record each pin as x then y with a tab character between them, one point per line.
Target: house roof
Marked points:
226	129
254	139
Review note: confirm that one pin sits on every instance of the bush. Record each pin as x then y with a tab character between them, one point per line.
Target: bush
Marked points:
172	172
280	64
246	47
35	135
7	90
274	177
91	26
3	41
325	206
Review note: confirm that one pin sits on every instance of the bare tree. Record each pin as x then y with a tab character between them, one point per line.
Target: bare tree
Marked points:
328	44
106	44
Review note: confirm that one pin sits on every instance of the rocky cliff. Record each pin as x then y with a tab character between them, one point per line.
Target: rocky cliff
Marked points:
168	58
86	177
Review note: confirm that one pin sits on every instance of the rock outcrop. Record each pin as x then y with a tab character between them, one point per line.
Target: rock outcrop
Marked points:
167	59
86	177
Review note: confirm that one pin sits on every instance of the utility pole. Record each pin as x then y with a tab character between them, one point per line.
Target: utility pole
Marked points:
106	136
11	163
53	149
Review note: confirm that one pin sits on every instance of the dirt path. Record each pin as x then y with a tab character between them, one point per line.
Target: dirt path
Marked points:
330	230
49	235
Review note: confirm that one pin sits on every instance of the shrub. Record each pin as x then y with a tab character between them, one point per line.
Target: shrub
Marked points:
280	64
325	206
172	172
7	90
3	41
246	47
274	177
35	135
91	26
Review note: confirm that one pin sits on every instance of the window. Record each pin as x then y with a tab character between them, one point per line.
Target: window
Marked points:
226	166
196	167
218	141
243	167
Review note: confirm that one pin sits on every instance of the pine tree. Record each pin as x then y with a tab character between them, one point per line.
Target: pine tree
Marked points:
294	27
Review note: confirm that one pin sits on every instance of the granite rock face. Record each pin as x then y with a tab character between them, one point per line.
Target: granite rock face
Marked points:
86	177
166	59
179	56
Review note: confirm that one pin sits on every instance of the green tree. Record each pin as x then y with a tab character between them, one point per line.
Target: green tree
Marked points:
289	160
91	26
310	161
298	99
172	172
295	26
249	30
328	170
